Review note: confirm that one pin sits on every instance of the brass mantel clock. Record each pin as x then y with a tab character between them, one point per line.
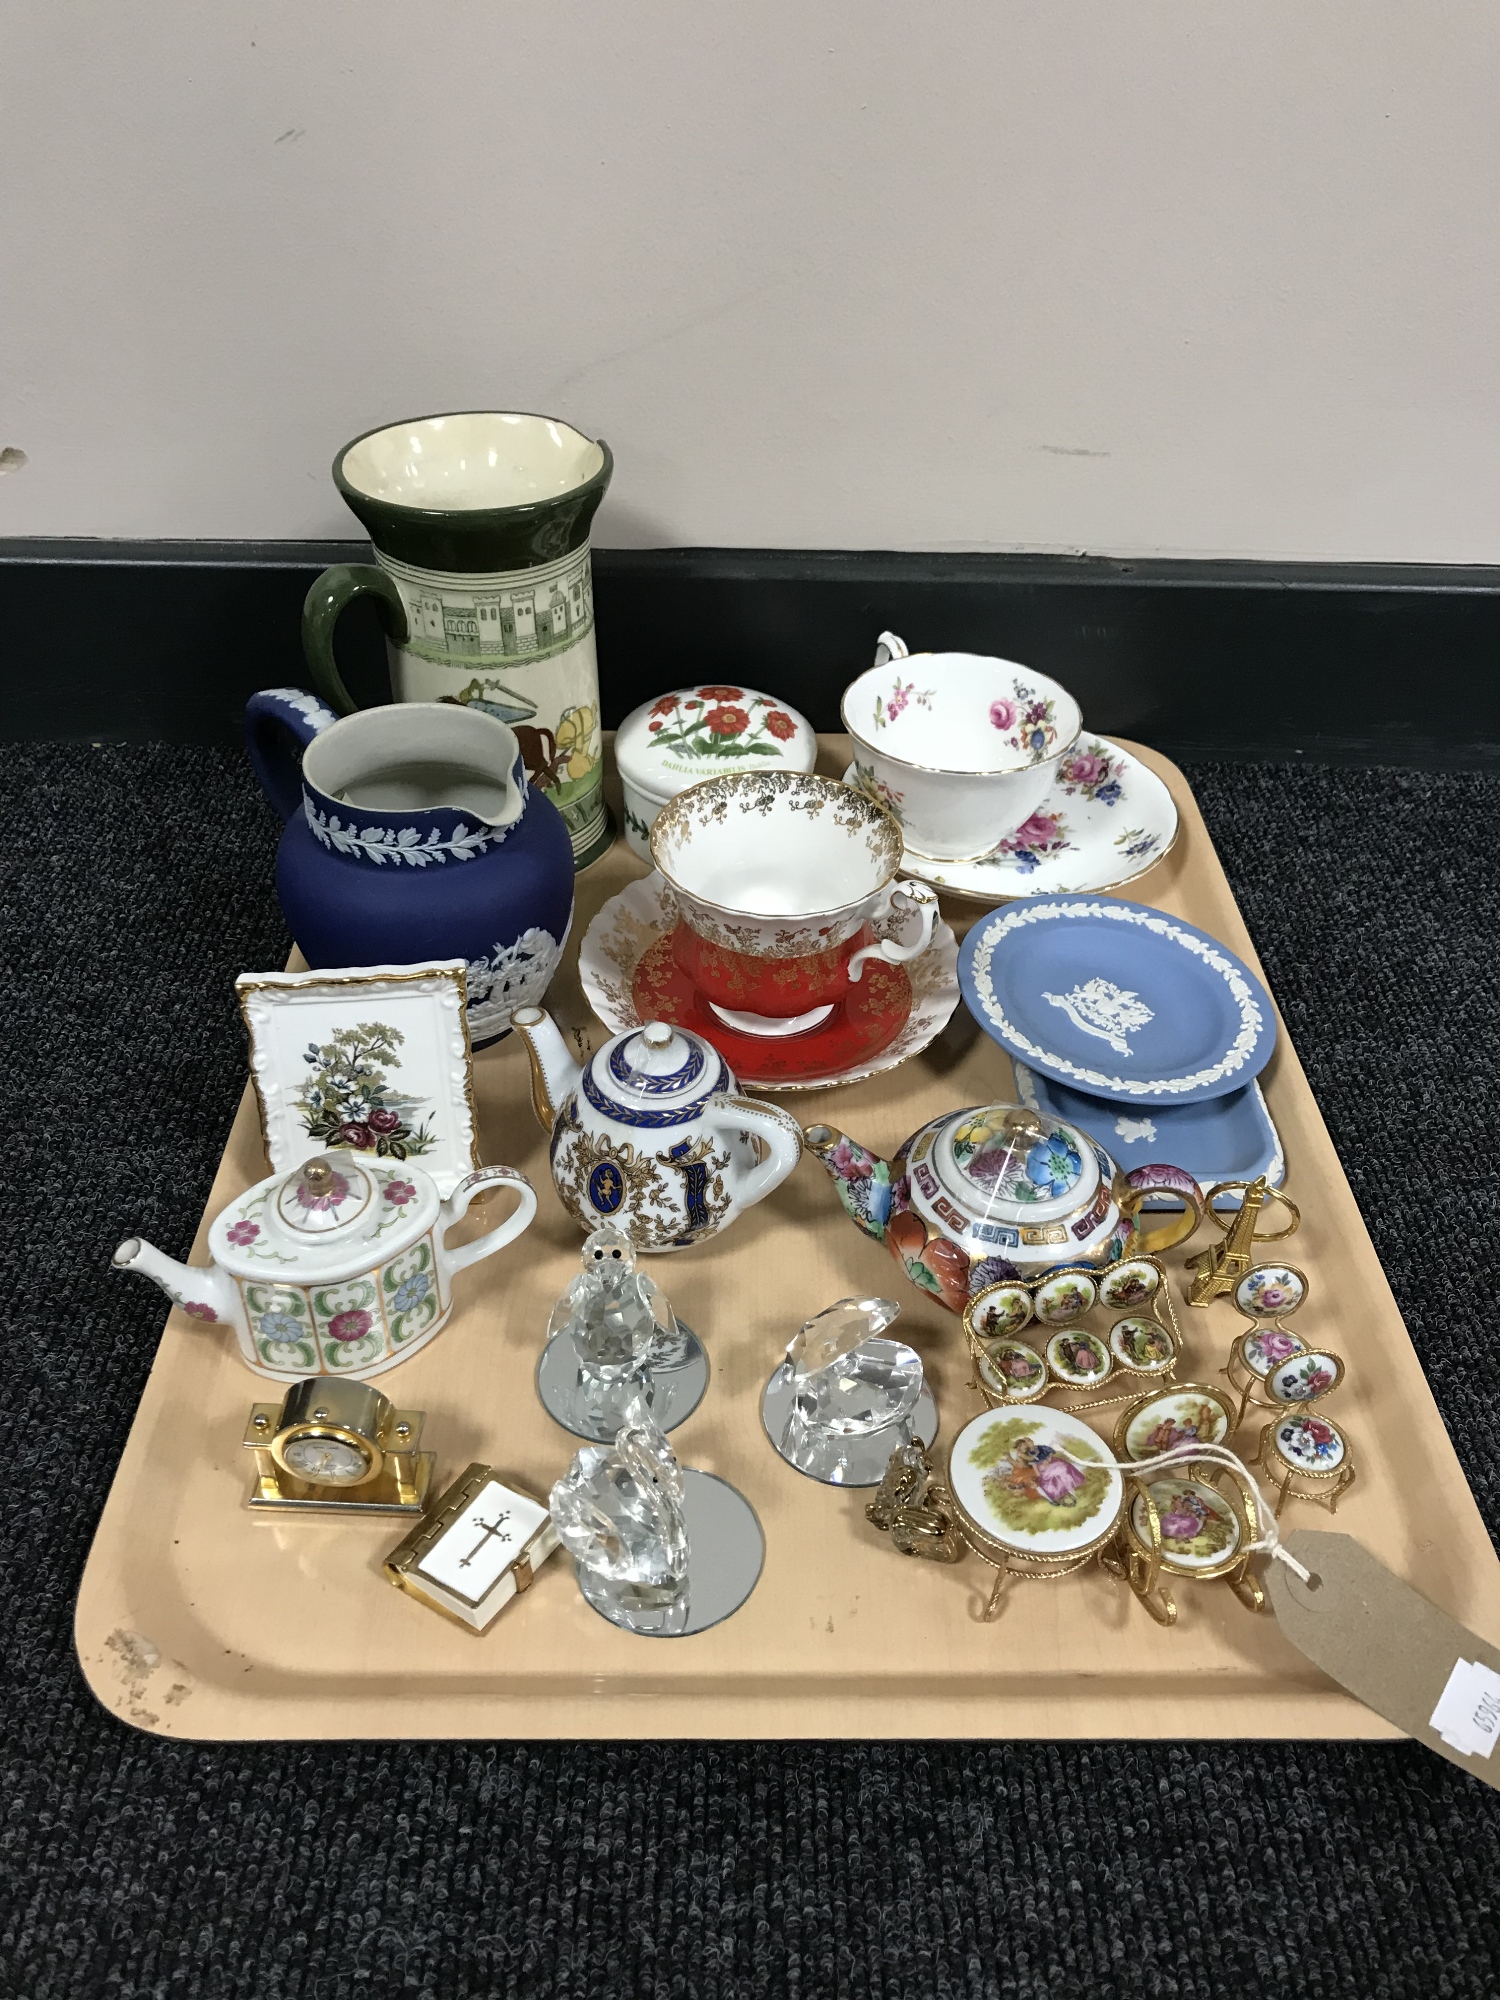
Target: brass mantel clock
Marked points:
339	1447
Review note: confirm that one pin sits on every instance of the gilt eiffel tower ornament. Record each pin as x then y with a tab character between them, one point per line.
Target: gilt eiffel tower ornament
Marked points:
1220	1266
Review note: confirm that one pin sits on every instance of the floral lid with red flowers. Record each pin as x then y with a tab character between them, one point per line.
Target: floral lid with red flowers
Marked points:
331	1215
699	732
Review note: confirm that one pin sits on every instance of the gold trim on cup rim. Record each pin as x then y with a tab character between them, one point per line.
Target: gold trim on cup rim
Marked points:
676	808
954	771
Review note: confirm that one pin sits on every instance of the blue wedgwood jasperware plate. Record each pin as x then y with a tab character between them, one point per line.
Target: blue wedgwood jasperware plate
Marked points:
1229	1138
1117	1000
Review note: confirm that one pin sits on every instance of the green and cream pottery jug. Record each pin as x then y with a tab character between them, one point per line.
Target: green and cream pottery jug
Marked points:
480	523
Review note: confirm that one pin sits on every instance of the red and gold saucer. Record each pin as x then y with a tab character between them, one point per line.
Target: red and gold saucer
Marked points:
846	1046
857	1028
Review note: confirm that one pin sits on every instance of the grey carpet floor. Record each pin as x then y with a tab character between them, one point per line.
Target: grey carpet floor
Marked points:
137	885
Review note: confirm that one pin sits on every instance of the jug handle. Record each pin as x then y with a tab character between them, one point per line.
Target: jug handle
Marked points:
493	1239
334	589
271	717
777	1128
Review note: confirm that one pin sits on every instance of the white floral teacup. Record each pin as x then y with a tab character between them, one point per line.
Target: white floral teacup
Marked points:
961	748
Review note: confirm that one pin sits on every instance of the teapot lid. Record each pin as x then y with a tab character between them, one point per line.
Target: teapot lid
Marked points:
324	1217
1005	1163
325	1197
655	1075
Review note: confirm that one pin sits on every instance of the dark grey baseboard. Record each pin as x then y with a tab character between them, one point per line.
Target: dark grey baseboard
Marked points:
1352	663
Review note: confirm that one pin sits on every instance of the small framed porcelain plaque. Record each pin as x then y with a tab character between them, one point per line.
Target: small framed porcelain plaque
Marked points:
481	1545
375	1058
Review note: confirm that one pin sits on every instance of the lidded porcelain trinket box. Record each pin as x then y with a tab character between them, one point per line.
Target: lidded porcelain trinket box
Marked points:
339	1267
693	733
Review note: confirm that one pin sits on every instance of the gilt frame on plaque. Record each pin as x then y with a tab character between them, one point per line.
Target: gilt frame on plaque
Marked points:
375	1058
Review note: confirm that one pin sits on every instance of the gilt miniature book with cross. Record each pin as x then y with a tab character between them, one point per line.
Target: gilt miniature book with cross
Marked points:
480	1546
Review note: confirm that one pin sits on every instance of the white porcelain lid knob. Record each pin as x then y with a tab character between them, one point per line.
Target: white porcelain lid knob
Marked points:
658	1050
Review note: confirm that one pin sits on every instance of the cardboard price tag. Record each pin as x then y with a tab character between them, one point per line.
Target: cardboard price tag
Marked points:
1392	1649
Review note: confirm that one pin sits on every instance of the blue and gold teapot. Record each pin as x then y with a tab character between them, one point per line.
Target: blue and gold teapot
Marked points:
652	1134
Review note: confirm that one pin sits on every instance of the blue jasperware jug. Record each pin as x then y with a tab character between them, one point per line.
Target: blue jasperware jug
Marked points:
412	834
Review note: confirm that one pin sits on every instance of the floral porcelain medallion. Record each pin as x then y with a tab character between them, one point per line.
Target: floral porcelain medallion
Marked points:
1270	1291
1034	1483
1305	1377
1266	1349
1309	1444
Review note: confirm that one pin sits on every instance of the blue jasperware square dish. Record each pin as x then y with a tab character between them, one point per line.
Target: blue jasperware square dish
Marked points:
1117	1000
1229	1138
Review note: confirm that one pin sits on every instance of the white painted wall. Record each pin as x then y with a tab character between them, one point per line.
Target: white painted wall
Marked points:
1206	277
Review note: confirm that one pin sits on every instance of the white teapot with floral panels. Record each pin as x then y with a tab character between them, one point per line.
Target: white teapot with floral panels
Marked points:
339	1267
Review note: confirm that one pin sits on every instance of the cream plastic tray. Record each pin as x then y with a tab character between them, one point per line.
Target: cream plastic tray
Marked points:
196	1619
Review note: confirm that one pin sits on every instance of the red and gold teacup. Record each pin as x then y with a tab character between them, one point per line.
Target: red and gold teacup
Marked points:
779	988
781	879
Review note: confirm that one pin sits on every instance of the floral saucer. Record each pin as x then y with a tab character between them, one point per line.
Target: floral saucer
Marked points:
1106	820
644	913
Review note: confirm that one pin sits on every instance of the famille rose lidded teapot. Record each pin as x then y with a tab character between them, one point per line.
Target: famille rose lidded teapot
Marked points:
998	1192
337	1268
652	1134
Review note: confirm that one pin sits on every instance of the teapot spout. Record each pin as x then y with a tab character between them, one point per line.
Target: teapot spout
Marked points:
554	1074
202	1291
862	1178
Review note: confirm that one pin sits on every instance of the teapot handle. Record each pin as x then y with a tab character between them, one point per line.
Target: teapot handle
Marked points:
1174	1229
779	1130
493	1239
271	717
